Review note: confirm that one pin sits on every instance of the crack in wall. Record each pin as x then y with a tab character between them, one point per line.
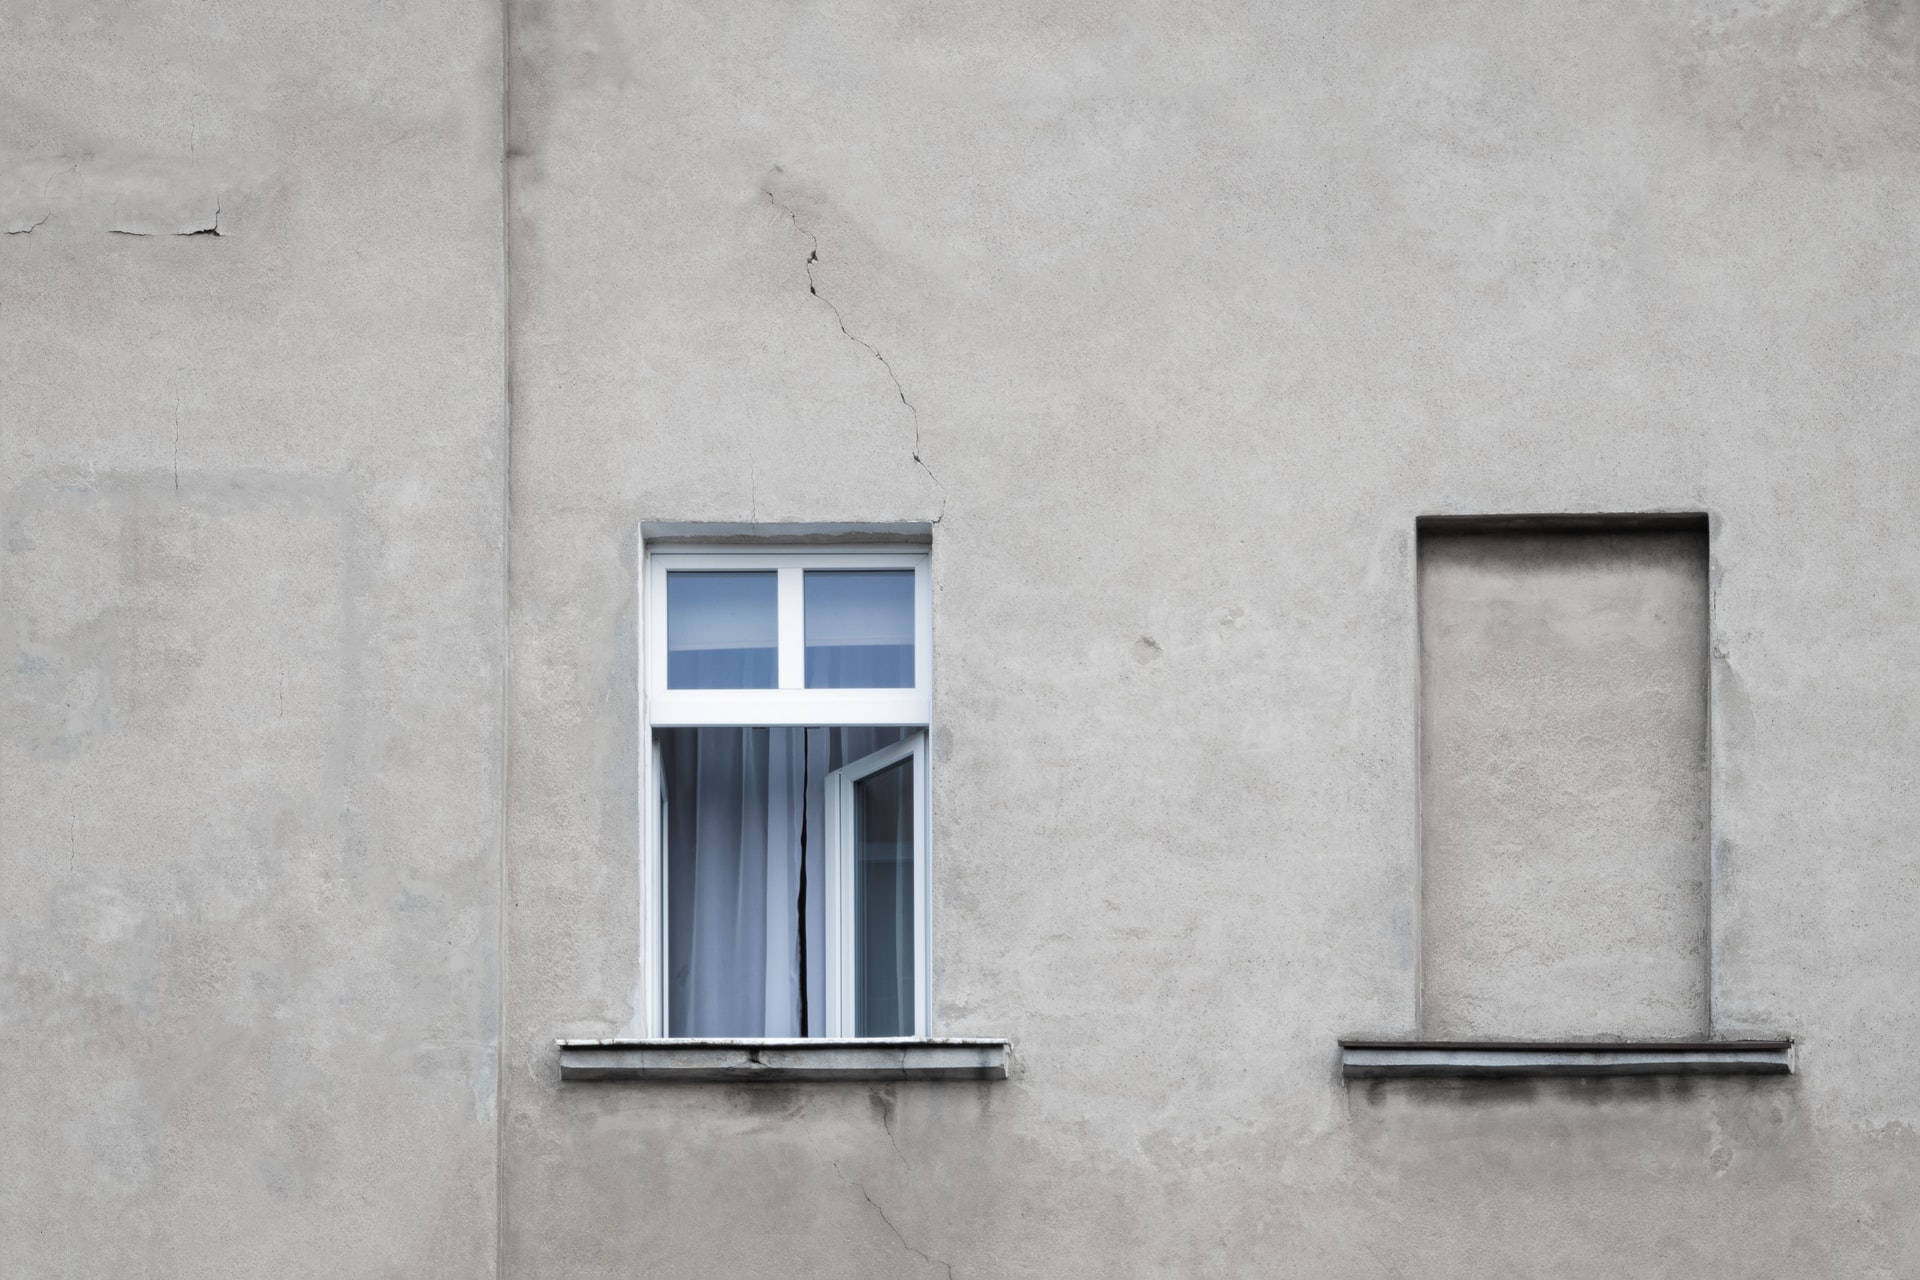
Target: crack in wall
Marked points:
44	186
921	1254
813	287
928	1258
885	1104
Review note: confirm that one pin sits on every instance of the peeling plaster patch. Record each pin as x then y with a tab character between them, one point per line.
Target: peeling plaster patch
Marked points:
127	195
813	287
138	226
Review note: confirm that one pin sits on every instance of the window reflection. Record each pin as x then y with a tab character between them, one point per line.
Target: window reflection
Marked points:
722	630
859	628
883	902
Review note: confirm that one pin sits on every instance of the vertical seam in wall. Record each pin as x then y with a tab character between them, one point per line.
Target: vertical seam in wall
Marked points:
1713	775
1419	798
506	639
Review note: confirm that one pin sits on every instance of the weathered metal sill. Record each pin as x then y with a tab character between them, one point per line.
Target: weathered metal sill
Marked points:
1415	1059
902	1058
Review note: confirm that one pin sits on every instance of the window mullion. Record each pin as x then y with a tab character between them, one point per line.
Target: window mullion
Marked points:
792	623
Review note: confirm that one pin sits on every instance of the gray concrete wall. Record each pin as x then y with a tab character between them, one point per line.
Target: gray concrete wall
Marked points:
1564	784
1173	320
250	620
1193	310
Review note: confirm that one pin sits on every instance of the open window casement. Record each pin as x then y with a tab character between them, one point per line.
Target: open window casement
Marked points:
876	896
787	696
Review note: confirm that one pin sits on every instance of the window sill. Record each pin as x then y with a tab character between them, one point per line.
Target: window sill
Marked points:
1416	1059
784	1060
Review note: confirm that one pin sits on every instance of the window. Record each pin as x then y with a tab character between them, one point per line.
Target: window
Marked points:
788	698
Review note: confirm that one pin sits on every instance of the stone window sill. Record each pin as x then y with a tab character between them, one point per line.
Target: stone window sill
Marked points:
1414	1059
903	1058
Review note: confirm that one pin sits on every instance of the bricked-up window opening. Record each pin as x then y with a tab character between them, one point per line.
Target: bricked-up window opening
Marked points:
1564	778
787	692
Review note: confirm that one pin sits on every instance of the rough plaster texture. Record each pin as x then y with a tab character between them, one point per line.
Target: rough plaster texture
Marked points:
1563	802
250	630
1196	308
1186	313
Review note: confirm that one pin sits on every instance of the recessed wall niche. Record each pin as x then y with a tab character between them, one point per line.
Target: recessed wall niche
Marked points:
1564	777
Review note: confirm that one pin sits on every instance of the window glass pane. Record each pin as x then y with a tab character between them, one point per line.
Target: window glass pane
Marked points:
883	943
722	630
742	827
727	800
859	629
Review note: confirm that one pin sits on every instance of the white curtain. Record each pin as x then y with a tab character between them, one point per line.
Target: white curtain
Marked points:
743	816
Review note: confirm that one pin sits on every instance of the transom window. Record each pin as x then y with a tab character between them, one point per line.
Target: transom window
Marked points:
801	638
788	700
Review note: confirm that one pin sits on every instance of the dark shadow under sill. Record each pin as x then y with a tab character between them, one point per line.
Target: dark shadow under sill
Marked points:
1433	1059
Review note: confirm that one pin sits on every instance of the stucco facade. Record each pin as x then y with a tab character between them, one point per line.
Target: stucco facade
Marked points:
347	348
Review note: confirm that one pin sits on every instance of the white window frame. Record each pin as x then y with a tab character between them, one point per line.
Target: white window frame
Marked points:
789	705
792	703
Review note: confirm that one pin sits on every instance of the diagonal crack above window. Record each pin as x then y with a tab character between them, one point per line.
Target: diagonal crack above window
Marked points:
813	287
